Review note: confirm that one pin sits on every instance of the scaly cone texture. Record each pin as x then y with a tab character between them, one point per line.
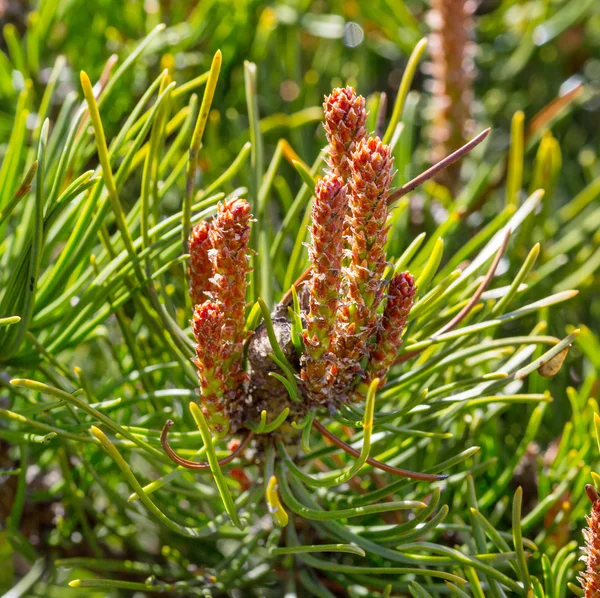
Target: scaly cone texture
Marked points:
199	268
345	117
401	293
453	71
229	235
219	264
325	254
590	580
208	325
368	190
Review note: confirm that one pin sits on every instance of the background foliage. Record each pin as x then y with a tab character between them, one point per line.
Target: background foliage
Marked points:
118	347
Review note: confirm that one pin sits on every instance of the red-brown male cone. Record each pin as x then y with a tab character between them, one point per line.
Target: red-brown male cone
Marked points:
199	265
221	249
325	253
345	118
229	236
590	579
207	326
368	189
401	293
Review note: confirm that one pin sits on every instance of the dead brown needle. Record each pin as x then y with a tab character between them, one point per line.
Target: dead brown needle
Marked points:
413	475
193	464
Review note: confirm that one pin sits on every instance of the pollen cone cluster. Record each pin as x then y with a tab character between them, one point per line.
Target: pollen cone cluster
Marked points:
347	340
353	318
199	266
452	71
218	278
590	579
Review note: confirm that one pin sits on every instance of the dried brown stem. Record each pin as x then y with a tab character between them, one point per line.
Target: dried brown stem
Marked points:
592	493
286	298
431	172
193	464
548	112
413	475
106	72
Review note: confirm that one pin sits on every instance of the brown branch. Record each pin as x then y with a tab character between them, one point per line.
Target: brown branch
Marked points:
286	298
433	170
413	475
592	493
106	72
548	112
193	464
406	356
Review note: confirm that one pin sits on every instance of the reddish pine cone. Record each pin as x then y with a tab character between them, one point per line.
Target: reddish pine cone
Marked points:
229	235
368	190
325	254
453	71
345	117
208	325
199	267
590	580
401	293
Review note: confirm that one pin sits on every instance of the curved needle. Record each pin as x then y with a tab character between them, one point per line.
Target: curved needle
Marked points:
413	475
193	464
